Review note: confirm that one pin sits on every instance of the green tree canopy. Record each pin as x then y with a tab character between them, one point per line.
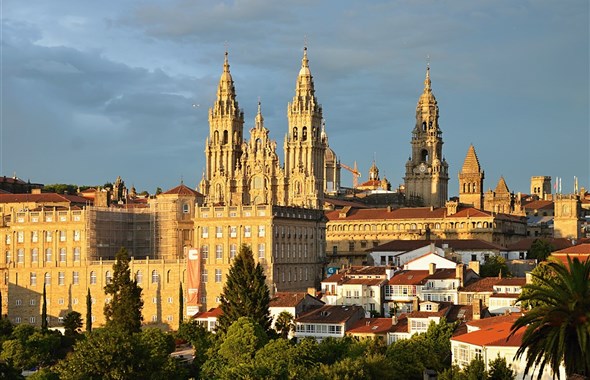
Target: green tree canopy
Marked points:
493	266
558	328
245	293
540	250
72	323
499	369
29	347
284	323
124	309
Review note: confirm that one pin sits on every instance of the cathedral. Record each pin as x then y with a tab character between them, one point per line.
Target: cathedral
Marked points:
248	172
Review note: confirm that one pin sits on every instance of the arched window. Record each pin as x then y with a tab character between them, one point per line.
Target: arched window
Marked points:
48	254
216	137
225	137
424	155
186	208
304	134
424	126
138	277
155	277
295	133
168	276
92	278
47	278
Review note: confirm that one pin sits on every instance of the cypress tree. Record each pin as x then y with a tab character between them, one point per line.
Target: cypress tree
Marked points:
123	312
88	312
44	309
0	304
245	293
180	305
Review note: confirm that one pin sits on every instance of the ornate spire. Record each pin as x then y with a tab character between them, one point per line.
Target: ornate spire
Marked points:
226	103
501	187
259	120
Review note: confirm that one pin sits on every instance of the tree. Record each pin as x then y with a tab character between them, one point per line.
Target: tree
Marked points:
44	309
72	323
88	312
0	304
500	370
557	330
245	293
493	266
29	347
540	250
115	354
124	309
180	305
284	324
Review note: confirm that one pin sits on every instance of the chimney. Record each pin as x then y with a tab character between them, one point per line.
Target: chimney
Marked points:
460	274
394	319
529	277
474	265
431	268
311	291
477	309
415	305
35	191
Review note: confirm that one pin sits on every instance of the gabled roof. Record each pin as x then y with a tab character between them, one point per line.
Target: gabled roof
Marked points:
512	281
579	249
480	285
487	322
371	326
211	313
330	314
287	299
538	205
494	335
471	163
182	189
409	277
364	281
471	212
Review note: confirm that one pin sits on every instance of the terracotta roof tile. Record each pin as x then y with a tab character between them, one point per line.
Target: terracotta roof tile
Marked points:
492	335
211	313
182	189
525	244
487	322
42	198
485	284
287	299
512	281
409	277
387	214
330	314
371	326
538	205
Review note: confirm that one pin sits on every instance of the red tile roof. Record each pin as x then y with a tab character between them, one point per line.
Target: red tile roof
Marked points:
580	249
512	281
538	205
493	335
388	214
364	281
480	285
211	313
487	322
371	326
42	198
409	277
525	244
330	314
182	189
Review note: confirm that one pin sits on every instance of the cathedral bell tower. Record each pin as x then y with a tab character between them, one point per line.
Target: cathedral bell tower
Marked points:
471	181
427	172
305	144
223	147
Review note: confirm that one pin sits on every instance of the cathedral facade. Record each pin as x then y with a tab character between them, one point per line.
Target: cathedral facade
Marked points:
248	172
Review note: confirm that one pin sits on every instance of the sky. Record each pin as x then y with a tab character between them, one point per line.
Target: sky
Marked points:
95	90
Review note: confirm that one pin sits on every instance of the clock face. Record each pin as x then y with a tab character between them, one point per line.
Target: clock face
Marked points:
422	168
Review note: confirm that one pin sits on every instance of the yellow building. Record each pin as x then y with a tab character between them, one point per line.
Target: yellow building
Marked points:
351	231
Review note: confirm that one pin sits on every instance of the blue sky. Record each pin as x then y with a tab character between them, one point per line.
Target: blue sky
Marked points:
93	90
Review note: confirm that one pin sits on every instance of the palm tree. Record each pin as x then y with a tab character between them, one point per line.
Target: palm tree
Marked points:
558	328
284	324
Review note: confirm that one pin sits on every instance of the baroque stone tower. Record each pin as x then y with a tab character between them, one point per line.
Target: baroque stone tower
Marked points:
305	144
471	181
567	222
223	147
427	172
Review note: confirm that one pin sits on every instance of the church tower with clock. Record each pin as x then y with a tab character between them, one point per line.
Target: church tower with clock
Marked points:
427	172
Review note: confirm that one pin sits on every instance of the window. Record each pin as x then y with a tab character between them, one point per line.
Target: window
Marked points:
170	300
75	278
47	278
34	236
170	318
33	279
20	237
186	208
138	277
92	278
219	251
217	275
204	275
60	301
76	235
205	232
32	302
62	235
61	278
155	277
48	255
261	251
18	302
32	320
155	300
34	255
233	231
108	277
219	231
62	255
233	251
205	251
154	318
247	231
20	256
76	253
351	245
261	231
